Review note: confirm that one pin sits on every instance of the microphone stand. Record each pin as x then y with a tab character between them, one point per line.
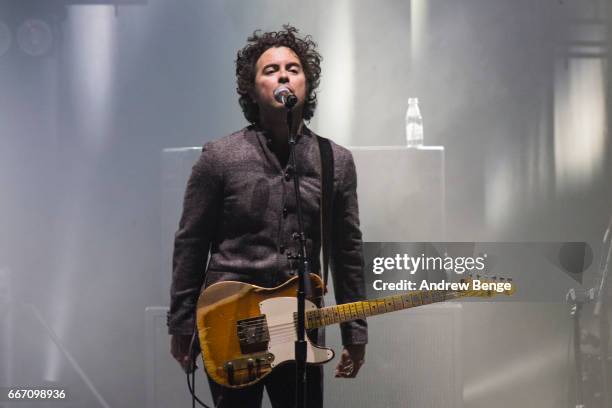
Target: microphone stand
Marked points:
577	299
303	272
601	311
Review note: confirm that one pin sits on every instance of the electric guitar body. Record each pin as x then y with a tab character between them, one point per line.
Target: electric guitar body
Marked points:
246	330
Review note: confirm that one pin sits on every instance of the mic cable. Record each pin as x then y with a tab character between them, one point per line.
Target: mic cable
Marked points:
193	367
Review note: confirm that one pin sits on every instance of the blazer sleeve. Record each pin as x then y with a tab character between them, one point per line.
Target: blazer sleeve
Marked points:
346	249
192	242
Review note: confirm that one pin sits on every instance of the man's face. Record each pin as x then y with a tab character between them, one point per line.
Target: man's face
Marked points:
275	67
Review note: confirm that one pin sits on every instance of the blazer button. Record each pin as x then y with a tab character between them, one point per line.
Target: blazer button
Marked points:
287	176
285	212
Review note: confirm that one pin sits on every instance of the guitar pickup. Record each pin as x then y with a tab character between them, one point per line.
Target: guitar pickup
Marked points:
253	334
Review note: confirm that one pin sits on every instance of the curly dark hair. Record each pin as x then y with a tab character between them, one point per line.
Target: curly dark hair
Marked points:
257	44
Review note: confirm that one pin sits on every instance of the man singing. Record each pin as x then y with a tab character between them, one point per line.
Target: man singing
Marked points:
239	212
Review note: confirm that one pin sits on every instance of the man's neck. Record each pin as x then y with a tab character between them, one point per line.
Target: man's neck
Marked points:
275	127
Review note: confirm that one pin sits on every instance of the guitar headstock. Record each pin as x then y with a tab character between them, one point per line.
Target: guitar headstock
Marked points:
488	286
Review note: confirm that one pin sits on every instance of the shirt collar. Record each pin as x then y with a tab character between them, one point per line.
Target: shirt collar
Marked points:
258	129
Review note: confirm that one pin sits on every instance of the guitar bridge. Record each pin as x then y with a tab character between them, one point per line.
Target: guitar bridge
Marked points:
253	334
247	368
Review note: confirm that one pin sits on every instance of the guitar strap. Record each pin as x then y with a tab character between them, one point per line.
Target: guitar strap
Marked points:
327	193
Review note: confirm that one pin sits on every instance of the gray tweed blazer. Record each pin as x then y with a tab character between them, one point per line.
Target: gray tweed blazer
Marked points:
239	215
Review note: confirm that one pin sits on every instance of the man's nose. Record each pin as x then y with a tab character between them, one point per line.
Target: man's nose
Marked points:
283	77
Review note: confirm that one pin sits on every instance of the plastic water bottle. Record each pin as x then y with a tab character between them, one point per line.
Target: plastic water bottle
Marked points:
414	124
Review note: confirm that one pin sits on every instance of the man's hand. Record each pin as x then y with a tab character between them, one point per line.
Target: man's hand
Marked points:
351	360
179	347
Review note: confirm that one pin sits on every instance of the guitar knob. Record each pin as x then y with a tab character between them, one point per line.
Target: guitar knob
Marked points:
250	367
229	367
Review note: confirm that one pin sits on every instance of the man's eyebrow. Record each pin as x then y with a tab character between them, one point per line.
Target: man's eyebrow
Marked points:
289	64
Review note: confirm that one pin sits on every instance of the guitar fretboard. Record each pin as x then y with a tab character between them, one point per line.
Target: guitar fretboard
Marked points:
360	310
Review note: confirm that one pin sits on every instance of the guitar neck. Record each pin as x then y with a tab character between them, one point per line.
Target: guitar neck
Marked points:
360	310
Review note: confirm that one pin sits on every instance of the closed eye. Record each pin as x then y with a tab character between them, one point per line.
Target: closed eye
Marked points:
270	70
294	68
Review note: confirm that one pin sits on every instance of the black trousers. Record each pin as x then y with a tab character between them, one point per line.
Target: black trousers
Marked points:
280	384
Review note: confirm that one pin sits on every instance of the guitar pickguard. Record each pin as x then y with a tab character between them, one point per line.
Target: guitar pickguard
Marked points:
280	315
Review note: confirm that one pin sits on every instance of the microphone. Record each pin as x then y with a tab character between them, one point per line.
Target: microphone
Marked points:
283	95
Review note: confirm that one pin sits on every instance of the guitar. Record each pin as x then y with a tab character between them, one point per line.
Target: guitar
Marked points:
245	331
